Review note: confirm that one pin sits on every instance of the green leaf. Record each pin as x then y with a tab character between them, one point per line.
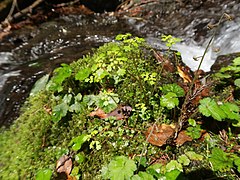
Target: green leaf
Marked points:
192	122
184	160
77	107
142	159
172	165
142	176
59	75
100	74
173	175
237	82
121	72
155	169
169	100
39	85
80	158
44	174
120	168
173	88
83	74
121	37
67	98
208	107
220	160
59	111
236	61
194	132
237	163
231	110
75	172
107	101
78	141
222	75
97	144
194	156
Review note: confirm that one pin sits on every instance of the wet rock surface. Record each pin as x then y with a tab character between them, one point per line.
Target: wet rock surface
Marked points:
223	61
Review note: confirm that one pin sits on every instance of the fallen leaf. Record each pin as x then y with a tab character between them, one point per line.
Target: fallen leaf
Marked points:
182	138
99	113
159	134
47	109
64	165
121	112
166	63
5	31
185	73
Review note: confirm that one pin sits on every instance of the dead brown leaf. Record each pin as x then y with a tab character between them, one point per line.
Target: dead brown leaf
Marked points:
182	138
184	72
121	112
159	134
64	165
47	109
99	113
166	63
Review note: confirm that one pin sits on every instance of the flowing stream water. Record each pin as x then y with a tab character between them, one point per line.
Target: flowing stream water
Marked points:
29	53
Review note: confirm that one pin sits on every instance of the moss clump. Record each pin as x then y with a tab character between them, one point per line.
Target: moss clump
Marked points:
35	142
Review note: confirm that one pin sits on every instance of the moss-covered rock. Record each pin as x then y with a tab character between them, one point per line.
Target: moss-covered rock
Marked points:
58	119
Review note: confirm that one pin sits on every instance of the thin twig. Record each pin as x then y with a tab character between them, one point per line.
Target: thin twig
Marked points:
22	12
144	148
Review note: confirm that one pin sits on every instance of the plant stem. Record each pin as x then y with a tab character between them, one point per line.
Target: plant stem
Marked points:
189	93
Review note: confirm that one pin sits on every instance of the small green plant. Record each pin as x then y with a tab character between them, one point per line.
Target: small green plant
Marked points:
230	73
119	168
44	174
220	160
170	40
194	129
209	107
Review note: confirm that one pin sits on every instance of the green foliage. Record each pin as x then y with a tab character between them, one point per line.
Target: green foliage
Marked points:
184	160
78	141
174	165
170	40
59	76
83	74
237	163
209	107
171	92
174	88
119	168
230	74
237	82
142	176
194	156
80	158
56	121
44	174
220	160
194	130
169	100
172	175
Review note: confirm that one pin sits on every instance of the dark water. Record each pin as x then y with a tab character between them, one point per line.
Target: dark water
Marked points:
31	52
34	51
